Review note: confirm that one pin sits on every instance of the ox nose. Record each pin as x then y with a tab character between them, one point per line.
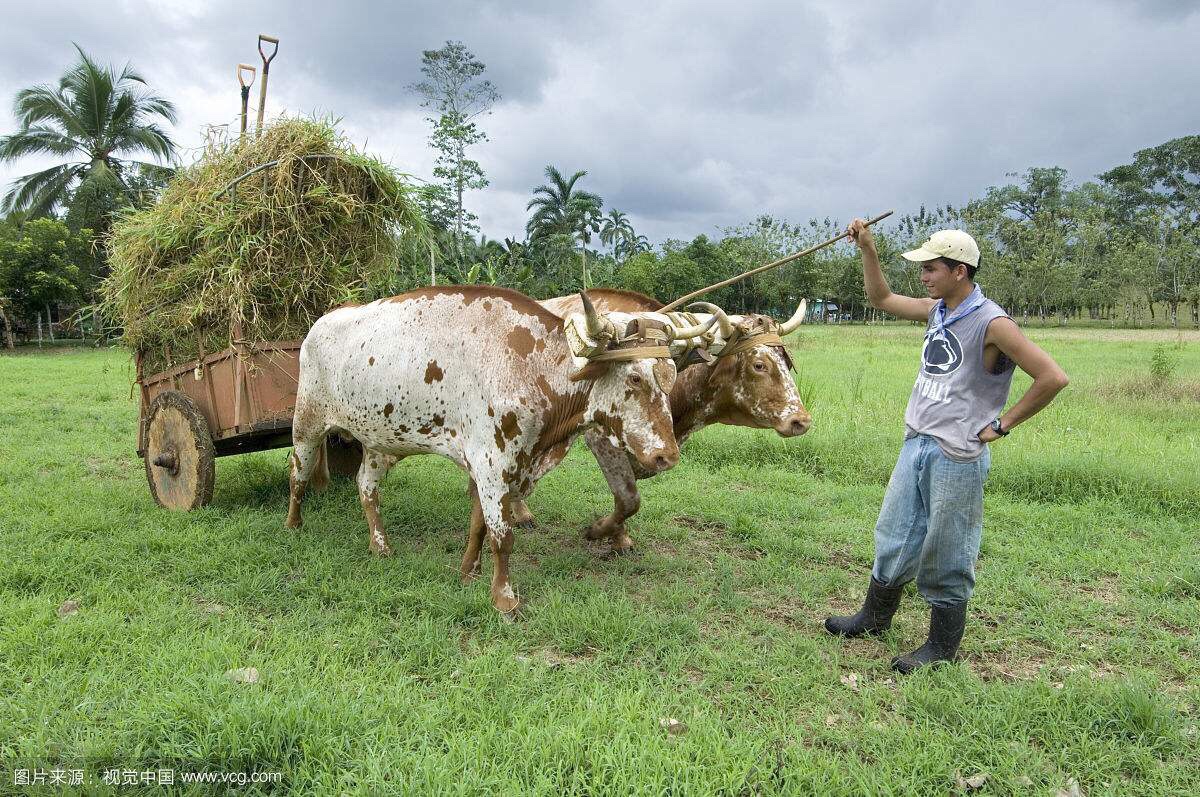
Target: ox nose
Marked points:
795	426
664	459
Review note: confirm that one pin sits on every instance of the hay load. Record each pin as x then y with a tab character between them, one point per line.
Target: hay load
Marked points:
265	259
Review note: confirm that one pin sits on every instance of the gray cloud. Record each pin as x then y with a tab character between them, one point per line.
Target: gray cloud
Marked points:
688	116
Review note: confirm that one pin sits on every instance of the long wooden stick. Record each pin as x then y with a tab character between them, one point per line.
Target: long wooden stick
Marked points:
767	267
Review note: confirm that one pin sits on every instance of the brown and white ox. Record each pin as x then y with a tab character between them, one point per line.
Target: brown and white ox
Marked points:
486	377
748	383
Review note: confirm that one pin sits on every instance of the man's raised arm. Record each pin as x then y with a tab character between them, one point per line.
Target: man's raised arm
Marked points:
878	292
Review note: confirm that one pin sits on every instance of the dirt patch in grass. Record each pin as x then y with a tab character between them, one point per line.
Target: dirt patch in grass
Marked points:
843	560
1141	388
1106	589
706	538
1094	334
779	610
1010	667
701	525
553	657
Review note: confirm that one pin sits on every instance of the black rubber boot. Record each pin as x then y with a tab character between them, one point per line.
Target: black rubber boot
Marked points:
945	632
874	617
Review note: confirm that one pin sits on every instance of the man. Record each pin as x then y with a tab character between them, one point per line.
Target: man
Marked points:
931	521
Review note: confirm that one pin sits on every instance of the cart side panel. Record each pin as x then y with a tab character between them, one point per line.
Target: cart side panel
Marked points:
182	378
272	376
267	395
222	374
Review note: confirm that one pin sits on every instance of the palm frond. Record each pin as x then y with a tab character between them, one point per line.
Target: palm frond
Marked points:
39	193
45	104
92	87
38	140
153	105
149	138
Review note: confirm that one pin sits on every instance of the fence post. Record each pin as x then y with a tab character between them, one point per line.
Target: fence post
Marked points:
39	315
49	323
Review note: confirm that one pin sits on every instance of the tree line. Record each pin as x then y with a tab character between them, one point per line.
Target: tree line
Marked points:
1121	248
1111	249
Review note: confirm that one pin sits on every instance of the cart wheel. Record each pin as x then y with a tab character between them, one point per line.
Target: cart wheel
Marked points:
345	455
180	458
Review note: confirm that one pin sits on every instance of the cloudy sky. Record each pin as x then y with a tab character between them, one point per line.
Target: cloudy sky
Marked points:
689	116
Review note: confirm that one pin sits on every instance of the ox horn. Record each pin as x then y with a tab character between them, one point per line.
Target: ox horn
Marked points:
793	323
683	333
595	324
727	330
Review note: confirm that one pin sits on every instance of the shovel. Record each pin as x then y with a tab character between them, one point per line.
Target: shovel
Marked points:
241	73
262	88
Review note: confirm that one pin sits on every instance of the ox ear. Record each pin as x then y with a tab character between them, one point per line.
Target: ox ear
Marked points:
590	372
787	358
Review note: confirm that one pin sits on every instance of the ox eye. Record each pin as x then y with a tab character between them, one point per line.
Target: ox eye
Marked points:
760	366
635	380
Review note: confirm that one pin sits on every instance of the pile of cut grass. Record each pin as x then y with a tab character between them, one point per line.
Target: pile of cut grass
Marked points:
264	260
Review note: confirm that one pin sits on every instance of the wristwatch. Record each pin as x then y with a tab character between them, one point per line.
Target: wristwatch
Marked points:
998	429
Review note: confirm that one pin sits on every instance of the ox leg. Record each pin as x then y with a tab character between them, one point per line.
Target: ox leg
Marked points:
305	459
614	463
470	564
503	597
496	506
522	517
373	470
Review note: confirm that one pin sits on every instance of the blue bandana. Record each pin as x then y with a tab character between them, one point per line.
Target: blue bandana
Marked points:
969	305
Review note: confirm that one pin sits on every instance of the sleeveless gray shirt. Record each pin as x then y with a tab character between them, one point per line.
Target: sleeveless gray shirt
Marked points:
955	396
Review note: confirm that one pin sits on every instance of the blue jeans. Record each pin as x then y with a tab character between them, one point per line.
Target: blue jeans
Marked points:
931	522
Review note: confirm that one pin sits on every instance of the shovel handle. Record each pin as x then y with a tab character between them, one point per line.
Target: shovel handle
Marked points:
241	70
262	37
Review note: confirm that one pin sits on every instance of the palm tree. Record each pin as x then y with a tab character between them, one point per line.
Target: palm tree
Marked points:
92	115
560	209
616	230
633	245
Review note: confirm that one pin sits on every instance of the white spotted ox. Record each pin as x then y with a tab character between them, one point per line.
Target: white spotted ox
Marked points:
747	384
488	378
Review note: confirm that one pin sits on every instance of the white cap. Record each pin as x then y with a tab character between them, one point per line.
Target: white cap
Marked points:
954	244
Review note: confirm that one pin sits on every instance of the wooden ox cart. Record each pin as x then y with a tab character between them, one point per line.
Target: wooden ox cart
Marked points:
238	400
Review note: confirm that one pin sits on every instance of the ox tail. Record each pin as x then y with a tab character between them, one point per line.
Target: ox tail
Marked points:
320	477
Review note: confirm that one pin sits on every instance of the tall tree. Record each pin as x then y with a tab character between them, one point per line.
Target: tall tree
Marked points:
453	86
562	210
616	231
39	266
1158	194
95	115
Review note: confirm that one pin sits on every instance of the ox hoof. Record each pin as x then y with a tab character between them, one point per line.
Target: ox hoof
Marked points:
292	524
469	576
610	551
382	549
600	530
523	517
506	602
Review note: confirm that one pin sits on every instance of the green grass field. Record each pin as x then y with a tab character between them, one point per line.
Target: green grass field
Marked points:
1081	658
